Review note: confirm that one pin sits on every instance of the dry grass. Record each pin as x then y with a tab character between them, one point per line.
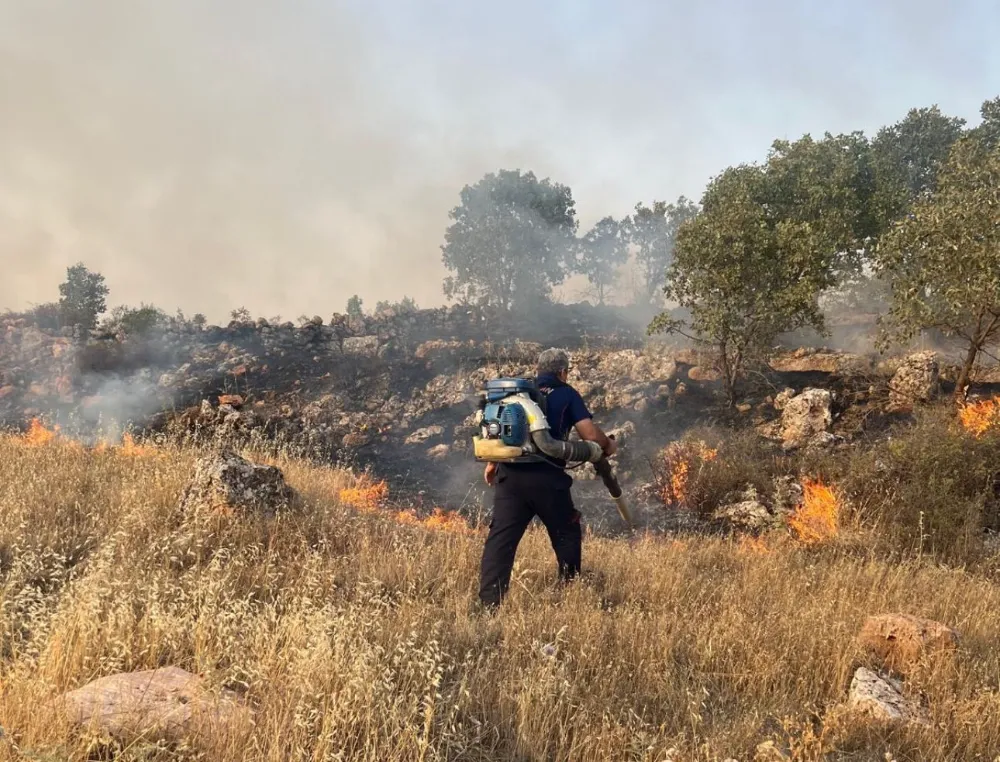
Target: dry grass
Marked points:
355	636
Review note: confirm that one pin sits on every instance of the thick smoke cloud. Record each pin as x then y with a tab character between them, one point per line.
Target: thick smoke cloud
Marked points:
282	156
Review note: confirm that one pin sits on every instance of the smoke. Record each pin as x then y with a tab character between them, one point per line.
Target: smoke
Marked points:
285	156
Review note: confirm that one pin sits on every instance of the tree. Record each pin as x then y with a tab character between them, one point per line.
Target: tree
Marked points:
744	273
907	156
355	307
135	321
943	259
601	252
653	230
510	241
82	297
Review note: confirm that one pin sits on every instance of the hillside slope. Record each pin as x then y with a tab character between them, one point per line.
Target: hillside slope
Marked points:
353	634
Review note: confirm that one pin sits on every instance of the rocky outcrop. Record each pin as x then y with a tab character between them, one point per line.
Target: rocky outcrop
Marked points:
747	514
805	418
227	482
167	704
900	641
916	380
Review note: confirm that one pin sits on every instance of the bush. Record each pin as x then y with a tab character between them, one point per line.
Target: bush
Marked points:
709	468
929	486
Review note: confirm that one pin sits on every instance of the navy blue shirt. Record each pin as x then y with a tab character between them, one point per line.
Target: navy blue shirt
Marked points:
564	408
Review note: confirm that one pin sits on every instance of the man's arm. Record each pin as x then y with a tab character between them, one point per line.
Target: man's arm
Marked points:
584	424
589	430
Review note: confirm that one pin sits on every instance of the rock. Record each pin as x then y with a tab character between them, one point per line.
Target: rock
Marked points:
355	439
744	408
783	397
228	482
901	640
437	452
422	435
809	360
233	400
788	494
703	374
162	704
804	416
916	380
6	390
882	698
747	514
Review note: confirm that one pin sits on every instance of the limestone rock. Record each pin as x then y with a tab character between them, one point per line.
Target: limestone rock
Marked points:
900	640
916	380
747	514
882	698
704	374
227	481
422	435
804	416
161	704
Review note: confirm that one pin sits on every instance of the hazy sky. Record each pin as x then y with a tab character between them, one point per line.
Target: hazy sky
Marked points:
282	156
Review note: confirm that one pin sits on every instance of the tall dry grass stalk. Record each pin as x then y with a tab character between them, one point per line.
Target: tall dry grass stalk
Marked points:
355	637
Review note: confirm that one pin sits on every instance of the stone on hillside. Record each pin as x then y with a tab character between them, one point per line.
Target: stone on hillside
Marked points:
653	368
804	416
422	435
748	514
704	374
439	451
227	481
900	640
882	698
916	380
166	704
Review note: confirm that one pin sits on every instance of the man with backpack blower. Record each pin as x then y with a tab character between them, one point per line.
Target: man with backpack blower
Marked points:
524	427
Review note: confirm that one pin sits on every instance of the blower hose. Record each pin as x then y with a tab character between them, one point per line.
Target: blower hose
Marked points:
580	450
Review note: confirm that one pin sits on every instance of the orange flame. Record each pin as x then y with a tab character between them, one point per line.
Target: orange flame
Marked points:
369	497
816	519
38	435
978	417
680	457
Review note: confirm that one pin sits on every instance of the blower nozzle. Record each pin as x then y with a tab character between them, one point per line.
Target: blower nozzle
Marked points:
607	474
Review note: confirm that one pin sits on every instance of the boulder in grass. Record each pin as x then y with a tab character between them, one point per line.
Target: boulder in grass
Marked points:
167	704
229	483
900	641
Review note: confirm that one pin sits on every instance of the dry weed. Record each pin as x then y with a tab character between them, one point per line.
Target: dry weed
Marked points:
355	636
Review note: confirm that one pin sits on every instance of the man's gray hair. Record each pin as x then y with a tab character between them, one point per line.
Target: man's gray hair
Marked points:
552	361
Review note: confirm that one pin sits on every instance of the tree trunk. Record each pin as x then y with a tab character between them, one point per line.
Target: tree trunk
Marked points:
966	371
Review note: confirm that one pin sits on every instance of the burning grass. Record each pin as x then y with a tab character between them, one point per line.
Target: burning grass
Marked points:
817	518
980	416
355	637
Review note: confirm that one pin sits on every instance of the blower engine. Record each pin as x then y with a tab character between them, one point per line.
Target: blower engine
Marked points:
513	427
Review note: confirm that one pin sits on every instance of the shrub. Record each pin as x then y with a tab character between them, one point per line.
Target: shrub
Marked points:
929	486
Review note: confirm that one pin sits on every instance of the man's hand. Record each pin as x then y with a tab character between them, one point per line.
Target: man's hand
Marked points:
491	473
612	447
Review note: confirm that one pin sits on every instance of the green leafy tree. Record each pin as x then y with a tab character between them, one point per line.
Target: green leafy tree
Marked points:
744	273
602	251
907	156
943	259
82	297
135	321
355	307
653	231
511	239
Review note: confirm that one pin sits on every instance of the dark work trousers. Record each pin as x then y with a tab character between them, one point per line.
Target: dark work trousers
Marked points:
517	500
